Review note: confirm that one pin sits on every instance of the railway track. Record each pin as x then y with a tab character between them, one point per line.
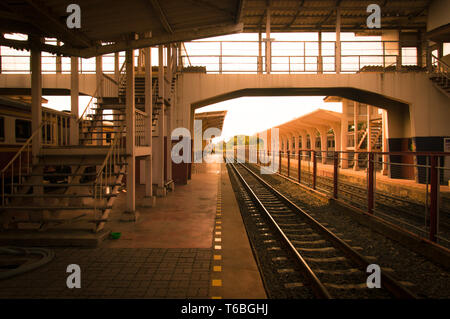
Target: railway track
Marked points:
410	214
303	248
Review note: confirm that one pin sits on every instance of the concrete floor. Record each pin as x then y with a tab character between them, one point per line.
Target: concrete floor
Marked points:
182	219
193	244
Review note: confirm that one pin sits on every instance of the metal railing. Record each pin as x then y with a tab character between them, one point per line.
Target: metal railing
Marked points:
440	68
106	176
18	167
423	210
18	62
54	130
141	120
290	56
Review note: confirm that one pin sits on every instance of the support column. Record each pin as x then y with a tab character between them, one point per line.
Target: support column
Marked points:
36	115
323	145
304	143
99	83
149	199
344	134
58	60
130	213
385	147
36	96
268	43
319	59
338	41
169	117
356	133
116	67
260	59
440	48
369	128
158	145
312	143
74	93
337	130
99	75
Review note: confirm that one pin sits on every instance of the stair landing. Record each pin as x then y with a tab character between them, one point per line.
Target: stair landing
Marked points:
75	150
52	238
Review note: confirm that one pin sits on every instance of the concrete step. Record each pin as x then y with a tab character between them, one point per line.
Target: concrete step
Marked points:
56	195
60	185
55	207
68	163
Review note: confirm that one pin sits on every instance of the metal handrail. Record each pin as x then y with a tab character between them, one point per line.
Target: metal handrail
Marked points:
28	141
442	68
107	169
27	146
187	55
141	112
89	103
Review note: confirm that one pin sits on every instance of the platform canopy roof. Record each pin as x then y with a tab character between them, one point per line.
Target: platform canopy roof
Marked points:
313	121
313	15
116	25
211	119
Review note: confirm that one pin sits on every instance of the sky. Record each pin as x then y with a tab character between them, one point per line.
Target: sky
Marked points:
249	115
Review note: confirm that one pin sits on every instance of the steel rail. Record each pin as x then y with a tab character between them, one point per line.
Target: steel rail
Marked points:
318	287
391	284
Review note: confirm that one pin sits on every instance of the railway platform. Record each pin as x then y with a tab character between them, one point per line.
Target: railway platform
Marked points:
193	244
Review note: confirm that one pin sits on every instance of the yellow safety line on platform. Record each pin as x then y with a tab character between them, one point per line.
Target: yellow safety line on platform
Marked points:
217	269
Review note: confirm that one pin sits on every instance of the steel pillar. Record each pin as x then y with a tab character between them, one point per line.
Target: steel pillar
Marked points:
130	134
74	93
158	149
149	198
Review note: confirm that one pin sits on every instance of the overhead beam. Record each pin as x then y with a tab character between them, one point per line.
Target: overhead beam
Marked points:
45	16
337	4
161	16
300	7
212	6
240	11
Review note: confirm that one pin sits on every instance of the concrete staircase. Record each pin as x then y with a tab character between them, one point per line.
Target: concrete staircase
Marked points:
440	76
376	136
62	191
70	188
441	82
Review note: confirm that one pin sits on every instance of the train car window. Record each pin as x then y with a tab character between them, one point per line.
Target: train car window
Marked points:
23	130
2	128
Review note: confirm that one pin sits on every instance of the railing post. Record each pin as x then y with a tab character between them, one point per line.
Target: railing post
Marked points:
279	169
220	59
299	168
370	171
433	198
335	174
288	162
314	177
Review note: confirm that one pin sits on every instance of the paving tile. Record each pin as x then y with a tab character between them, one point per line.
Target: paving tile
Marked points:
118	273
